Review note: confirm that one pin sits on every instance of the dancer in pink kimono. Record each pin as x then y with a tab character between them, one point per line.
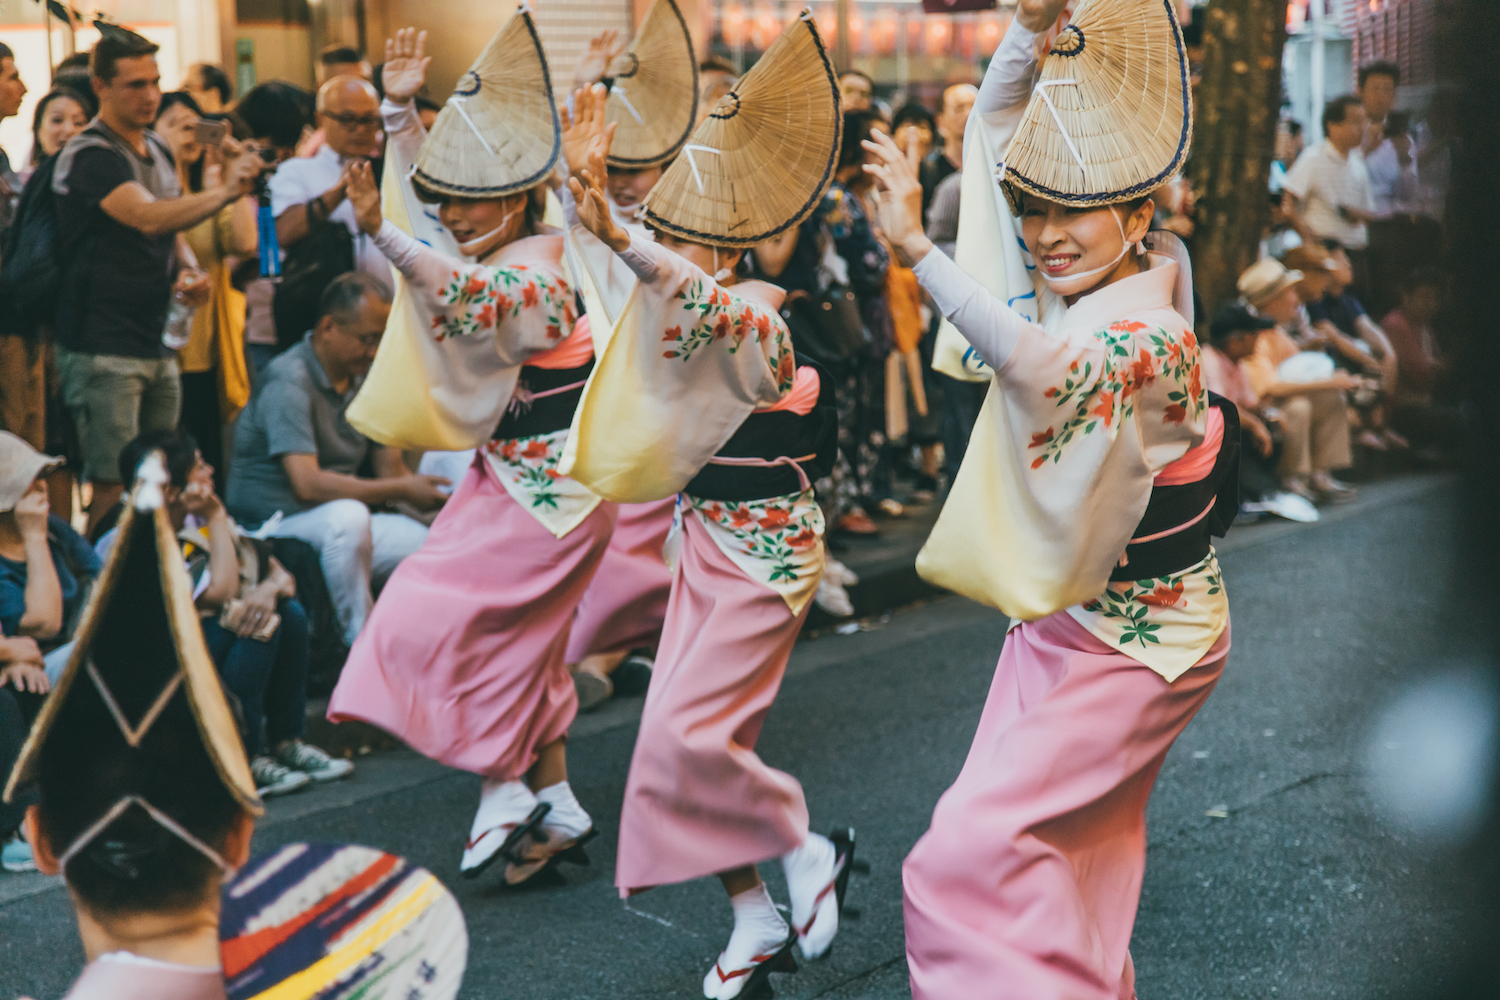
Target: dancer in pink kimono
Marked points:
1098	472
697	392
463	657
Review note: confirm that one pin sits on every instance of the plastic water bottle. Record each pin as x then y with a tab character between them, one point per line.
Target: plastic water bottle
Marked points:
179	324
270	251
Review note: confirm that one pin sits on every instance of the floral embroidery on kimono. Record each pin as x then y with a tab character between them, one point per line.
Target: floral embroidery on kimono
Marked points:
482	296
1100	390
527	468
777	541
724	318
1183	611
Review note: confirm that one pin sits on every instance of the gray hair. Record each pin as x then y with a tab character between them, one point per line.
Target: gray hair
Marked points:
344	295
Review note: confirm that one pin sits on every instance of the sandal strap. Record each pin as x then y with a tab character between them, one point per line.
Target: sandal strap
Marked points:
755	960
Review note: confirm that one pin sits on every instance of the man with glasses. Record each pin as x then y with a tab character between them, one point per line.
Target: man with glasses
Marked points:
297	461
306	191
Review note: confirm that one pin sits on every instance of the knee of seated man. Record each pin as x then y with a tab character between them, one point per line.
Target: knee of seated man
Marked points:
348	519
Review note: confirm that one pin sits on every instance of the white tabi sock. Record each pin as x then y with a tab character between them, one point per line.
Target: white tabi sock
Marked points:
809	872
758	930
501	802
567	819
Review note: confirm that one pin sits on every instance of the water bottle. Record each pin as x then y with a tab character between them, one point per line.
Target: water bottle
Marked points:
179	324
270	251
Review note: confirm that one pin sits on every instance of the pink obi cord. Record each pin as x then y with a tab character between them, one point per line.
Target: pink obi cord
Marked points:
571	353
1199	461
802	397
522	398
770	463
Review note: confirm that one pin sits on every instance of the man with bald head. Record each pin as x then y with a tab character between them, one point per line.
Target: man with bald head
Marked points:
306	191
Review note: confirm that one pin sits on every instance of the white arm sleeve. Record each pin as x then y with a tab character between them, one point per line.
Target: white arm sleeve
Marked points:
403	251
639	257
1008	80
993	327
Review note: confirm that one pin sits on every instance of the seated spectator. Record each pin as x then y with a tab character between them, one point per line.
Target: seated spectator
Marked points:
1312	412
296	456
46	567
1417	407
1233	334
256	630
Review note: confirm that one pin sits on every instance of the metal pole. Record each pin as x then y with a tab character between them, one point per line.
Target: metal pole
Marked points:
1315	64
841	46
51	63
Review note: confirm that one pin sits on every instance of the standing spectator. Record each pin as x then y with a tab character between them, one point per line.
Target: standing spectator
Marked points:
1313	414
1327	191
857	90
958	101
914	125
716	77
1376	89
120	210
12	93
296	455
60	115
309	191
1284	153
1407	229
343	60
209	87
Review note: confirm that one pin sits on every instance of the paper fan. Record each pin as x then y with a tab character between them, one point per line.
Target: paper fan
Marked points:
499	132
761	160
1111	117
653	96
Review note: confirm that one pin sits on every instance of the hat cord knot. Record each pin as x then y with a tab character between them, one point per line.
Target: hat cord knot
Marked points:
728	107
1070	42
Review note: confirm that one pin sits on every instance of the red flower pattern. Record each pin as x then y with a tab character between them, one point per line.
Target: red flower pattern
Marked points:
673	334
529	295
803	539
536	449
775	518
741	516
487	315
475	286
1163	596
1106	408
1174	414
1037	440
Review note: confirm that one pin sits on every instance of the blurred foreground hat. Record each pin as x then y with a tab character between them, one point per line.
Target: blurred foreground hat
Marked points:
340	922
1235	317
20	464
1111	117
499	132
653	94
1266	279
763	157
139	705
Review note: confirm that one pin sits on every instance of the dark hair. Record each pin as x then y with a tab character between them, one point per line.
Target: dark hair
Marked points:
178	98
335	54
214	78
55	94
914	114
427	104
1293	127
861	74
856	128
1275	198
6	53
717	64
1382	68
1192	34
178	448
344	294
1425	276
114	46
1336	110
78	60
276	110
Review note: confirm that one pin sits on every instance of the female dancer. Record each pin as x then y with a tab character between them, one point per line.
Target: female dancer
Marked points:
741	430
461	661
1102	468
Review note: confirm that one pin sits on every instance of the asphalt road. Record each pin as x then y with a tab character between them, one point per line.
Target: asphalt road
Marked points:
1297	887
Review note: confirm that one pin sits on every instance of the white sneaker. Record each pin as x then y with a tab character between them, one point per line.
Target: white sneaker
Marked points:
833	598
760	945
1290	506
508	814
274	778
313	762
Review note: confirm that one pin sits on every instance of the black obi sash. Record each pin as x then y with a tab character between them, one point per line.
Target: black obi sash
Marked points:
530	413
769	436
1214	501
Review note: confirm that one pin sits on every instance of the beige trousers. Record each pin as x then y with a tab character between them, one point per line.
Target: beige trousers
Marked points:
1316	433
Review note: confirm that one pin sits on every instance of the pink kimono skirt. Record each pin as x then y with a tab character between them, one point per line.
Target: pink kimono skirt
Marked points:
698	800
627	602
1026	886
462	656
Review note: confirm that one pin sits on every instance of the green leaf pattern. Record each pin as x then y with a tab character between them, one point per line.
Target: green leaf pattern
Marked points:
714	315
781	534
479	298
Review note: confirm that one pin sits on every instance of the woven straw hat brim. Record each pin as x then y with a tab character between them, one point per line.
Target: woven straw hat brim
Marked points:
1128	111
499	133
656	79
762	159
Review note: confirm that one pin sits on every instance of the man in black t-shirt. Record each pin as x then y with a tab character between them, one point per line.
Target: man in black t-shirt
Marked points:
120	209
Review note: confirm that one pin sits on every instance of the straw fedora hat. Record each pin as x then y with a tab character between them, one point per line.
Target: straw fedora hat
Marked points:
1111	117
761	160
1264	280
653	93
499	132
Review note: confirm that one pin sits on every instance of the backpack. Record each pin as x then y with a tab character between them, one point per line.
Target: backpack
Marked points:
311	264
31	268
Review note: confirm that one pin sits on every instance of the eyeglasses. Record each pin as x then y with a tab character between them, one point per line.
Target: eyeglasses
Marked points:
352	122
368	341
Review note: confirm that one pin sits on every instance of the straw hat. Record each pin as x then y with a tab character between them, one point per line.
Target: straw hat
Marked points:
1111	117
1266	279
499	132
140	675
761	160
20	464
653	94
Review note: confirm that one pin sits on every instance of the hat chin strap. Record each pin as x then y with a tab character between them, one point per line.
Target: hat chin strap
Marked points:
720	273
470	248
1067	284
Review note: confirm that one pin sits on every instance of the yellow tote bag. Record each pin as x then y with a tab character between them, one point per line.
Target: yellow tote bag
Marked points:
229	345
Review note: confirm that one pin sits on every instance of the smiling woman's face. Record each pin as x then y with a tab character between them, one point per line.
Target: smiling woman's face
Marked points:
1067	241
472	219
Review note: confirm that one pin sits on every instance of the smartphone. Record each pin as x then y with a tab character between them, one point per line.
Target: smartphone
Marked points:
210	133
1397	123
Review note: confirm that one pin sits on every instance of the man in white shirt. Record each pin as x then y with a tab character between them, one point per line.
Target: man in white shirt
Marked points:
1326	195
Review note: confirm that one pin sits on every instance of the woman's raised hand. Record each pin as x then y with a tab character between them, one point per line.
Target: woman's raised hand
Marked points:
1038	16
594	62
593	209
585	137
364	195
405	67
898	195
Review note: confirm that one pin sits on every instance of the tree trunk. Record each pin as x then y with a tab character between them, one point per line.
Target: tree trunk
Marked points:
1239	102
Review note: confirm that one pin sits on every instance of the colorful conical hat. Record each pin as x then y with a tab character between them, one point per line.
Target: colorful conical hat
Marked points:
1111	117
499	132
653	94
138	653
761	160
